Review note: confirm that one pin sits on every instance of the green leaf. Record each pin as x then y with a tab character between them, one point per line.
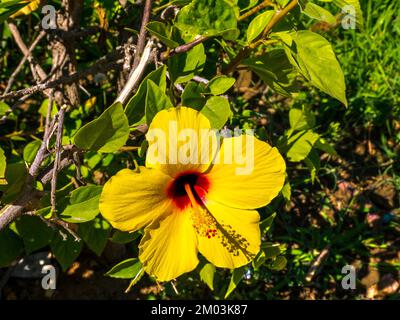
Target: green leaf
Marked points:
31	150
66	251
301	119
323	145
259	260
94	160
183	67
107	133
275	69
3	165
313	163
124	237
11	247
45	105
84	205
193	95
207	273
95	233
266	224
316	12
283	3
258	24
160	30
286	191
208	18
9	8
6	4
217	109
279	263
135	109
136	279
15	176
63	199
246	4
271	250
315	59
220	84
300	145
355	4
34	233
127	269
156	100
4	108
236	278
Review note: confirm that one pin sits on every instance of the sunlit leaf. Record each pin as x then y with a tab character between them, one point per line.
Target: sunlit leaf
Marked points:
183	67
3	165
316	12
314	57
220	84
156	100
127	269
207	273
208	18
31	150
300	145
236	278
135	108
84	204
258	24
217	110
107	133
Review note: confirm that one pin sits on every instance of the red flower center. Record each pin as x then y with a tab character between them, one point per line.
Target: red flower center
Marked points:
198	183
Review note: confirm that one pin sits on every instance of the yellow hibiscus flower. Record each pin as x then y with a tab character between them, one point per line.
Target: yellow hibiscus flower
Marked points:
192	206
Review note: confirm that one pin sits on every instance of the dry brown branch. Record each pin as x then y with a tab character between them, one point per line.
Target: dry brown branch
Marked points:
24	59
102	65
136	75
142	34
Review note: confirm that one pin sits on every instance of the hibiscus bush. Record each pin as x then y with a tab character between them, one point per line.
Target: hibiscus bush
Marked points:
87	87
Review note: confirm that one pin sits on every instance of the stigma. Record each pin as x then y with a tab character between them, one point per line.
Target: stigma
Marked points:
188	188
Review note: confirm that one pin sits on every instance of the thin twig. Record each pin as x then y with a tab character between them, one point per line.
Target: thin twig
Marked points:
37	70
254	10
65	225
142	34
58	149
43	150
12	211
183	48
100	66
66	160
24	59
317	264
244	52
54	223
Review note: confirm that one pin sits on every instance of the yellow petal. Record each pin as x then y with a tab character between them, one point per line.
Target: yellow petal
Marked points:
131	200
169	247
233	239
250	173
180	139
